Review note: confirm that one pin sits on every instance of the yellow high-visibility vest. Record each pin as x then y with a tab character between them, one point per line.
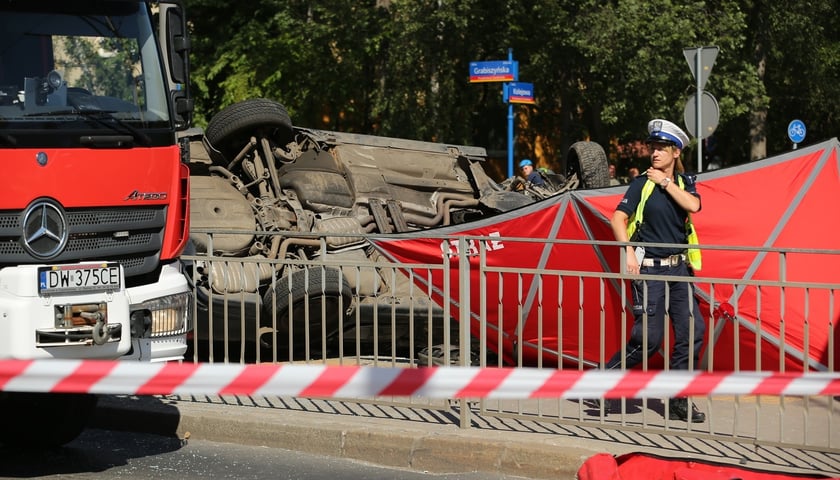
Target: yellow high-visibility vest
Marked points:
694	256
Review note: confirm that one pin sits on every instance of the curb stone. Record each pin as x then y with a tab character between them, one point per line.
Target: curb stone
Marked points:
430	448
427	438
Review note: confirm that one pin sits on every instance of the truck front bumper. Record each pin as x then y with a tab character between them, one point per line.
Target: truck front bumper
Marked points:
147	322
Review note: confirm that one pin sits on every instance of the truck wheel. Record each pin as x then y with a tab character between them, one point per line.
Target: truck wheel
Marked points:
589	161
232	128
43	419
328	296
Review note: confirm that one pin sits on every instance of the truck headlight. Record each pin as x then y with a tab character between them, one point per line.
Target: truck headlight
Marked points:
160	317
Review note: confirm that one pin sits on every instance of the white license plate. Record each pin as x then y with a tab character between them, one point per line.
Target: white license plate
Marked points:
100	277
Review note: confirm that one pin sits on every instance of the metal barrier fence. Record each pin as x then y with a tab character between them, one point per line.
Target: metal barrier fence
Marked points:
361	306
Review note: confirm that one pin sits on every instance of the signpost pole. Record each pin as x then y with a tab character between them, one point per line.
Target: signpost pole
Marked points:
512	90
510	118
701	67
699	116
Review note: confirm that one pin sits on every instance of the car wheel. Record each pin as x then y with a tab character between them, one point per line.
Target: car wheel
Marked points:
310	308
589	162
232	128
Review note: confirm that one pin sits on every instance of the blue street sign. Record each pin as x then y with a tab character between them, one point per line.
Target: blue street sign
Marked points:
796	131
494	71
519	92
504	71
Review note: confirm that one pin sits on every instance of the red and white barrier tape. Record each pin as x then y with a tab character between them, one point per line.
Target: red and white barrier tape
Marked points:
95	376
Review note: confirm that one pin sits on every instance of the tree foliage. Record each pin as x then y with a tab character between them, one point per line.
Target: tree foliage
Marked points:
600	68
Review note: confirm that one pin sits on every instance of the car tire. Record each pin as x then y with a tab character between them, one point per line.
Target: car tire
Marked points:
321	288
232	128
589	161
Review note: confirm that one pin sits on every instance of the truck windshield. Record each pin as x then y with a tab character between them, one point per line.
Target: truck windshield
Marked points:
62	61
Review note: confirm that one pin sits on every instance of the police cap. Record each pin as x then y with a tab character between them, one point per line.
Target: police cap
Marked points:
664	131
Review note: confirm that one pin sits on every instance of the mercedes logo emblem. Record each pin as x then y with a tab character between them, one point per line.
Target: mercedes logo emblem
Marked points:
44	229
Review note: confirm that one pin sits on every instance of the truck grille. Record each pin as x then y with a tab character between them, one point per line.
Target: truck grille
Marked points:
131	236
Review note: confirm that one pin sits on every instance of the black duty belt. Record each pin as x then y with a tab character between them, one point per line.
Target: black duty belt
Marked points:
672	261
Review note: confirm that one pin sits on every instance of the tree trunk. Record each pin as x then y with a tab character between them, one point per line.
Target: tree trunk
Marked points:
758	115
758	120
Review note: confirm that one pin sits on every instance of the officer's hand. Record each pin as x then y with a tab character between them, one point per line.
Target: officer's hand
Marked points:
654	175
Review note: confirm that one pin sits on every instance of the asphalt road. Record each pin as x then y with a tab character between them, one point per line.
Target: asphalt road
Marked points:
106	454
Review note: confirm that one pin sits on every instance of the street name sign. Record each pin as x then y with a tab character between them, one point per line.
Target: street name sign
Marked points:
520	92
494	71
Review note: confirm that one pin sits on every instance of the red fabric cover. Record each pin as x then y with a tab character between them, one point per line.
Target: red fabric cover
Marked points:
777	202
601	466
639	466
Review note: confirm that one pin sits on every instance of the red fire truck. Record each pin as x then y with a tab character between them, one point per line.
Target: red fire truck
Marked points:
94	205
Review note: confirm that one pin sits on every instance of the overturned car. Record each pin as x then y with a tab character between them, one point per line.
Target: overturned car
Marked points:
283	212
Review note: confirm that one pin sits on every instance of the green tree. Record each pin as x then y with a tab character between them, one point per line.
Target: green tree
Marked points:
801	56
314	57
425	87
601	69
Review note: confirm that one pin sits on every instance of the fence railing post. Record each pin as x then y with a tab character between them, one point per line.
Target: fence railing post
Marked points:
464	320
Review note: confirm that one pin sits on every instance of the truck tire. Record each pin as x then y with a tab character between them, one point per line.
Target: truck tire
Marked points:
589	161
232	128
321	288
43	419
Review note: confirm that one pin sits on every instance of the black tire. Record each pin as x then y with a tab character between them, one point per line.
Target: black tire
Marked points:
319	287
43	419
589	161
232	128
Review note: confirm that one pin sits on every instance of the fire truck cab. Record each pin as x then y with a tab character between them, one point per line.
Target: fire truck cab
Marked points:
94	211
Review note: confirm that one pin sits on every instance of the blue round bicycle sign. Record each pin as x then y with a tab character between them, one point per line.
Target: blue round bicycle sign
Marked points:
796	131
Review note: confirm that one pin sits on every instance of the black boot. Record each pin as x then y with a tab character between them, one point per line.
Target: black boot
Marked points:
678	410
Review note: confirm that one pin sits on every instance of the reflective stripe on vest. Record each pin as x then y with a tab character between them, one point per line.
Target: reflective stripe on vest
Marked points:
635	221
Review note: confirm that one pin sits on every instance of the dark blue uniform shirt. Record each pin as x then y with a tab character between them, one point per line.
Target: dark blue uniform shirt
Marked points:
536	179
664	220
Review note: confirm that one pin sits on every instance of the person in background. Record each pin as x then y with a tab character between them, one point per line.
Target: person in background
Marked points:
613	179
663	198
632	173
528	173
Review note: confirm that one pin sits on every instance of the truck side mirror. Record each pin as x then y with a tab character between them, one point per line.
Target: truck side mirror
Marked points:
175	43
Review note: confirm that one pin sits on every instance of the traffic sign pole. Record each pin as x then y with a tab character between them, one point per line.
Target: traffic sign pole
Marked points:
512	90
510	117
699	116
701	67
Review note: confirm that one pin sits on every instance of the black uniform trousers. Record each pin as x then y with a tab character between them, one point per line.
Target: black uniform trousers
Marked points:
682	308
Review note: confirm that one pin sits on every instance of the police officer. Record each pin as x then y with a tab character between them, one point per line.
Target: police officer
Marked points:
667	203
528	172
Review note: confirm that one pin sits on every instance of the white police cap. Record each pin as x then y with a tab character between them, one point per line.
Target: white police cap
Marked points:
665	131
